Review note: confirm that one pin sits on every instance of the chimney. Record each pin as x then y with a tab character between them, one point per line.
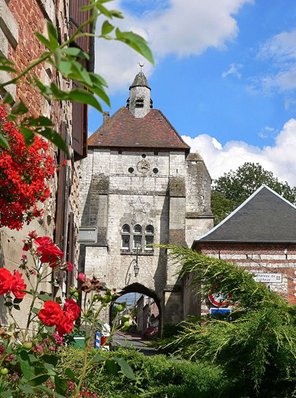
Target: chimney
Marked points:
106	117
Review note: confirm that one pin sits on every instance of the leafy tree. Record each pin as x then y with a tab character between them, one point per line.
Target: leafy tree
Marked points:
256	346
234	187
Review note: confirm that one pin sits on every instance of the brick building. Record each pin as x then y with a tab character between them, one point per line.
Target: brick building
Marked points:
19	21
140	185
260	235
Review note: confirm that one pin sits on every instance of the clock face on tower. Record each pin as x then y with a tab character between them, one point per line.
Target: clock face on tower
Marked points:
143	166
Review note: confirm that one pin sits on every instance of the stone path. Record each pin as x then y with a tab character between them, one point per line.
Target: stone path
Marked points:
127	340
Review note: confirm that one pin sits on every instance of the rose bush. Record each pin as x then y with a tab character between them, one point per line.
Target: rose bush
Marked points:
29	356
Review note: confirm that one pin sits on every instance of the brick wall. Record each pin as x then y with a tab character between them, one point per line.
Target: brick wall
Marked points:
261	258
19	20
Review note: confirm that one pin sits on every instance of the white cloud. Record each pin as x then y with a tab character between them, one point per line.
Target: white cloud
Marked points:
280	47
183	28
279	158
280	52
234	69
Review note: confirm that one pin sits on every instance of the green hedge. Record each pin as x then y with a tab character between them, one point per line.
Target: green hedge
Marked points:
156	376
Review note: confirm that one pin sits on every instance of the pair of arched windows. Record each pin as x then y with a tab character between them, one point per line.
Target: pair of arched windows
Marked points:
137	238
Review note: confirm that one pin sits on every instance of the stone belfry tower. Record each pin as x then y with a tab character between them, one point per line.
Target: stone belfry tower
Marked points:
139	102
140	185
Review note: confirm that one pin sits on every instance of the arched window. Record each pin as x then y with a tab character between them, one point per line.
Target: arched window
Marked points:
149	237
137	237
125	237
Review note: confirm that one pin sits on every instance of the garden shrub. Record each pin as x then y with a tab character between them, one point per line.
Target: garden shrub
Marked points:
155	376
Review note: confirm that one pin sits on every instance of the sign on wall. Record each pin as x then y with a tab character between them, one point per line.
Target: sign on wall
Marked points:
267	277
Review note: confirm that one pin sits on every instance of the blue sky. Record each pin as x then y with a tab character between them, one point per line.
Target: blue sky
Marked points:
225	76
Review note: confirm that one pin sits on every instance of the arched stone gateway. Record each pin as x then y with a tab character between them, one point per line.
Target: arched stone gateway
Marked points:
140	186
139	288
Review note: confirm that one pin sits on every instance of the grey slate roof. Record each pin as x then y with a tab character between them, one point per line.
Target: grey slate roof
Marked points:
140	80
265	217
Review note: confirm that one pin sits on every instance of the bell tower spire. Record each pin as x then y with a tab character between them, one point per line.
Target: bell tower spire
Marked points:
139	102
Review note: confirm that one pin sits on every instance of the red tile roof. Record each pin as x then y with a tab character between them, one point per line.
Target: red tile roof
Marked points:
126	131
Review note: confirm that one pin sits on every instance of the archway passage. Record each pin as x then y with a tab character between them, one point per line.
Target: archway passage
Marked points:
144	307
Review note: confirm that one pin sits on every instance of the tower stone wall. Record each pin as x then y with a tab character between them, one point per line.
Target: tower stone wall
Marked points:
131	197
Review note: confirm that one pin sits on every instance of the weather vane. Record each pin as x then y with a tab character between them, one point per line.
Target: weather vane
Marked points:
141	66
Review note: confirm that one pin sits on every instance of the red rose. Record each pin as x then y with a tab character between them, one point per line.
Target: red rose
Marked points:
70	266
6	280
18	285
51	314
48	251
65	325
81	277
72	308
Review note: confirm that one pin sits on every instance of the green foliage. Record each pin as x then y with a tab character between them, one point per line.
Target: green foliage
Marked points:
155	376
88	87
221	206
257	347
234	187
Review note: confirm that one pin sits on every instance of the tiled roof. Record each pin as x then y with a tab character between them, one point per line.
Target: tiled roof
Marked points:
265	217
125	131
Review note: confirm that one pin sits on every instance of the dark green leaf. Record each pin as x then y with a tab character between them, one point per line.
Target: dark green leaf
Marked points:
40	121
52	36
43	40
82	73
57	57
17	301
44	297
125	368
19	108
45	90
61	385
75	52
102	9
71	375
5	61
136	42
40	379
98	80
35	310
28	135
55	138
116	14
102	94
112	366
49	392
3	142
8	68
50	329
107	28
52	359
16	307
97	358
8	304
25	364
84	97
8	99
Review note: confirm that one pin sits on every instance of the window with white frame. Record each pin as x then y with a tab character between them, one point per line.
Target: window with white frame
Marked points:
149	237
125	237
137	239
